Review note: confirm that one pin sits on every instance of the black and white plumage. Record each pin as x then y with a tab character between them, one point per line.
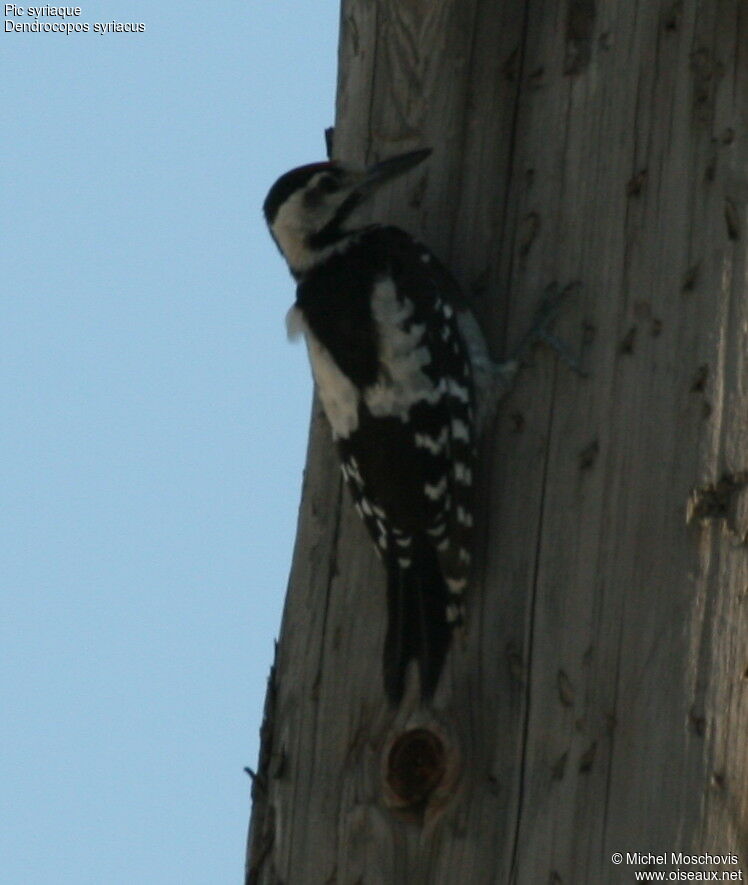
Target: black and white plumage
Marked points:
399	364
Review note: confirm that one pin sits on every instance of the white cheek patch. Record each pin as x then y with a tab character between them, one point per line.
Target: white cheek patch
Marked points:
296	221
291	229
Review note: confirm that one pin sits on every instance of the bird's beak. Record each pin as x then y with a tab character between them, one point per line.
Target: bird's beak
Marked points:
393	167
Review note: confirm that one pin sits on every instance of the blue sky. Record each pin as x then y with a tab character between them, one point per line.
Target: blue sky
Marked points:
154	428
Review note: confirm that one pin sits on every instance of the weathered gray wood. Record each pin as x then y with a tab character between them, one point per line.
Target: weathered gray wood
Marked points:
599	701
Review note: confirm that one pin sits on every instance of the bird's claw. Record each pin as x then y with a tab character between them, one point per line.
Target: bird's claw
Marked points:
540	330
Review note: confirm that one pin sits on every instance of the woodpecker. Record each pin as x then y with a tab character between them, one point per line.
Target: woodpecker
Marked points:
406	382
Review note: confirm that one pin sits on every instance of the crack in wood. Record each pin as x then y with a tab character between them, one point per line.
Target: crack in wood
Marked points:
732	220
580	25
690	278
636	183
626	347
714	501
587	759
588	455
559	767
700	378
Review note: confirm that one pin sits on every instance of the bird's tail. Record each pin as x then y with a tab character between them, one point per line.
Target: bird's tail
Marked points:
417	624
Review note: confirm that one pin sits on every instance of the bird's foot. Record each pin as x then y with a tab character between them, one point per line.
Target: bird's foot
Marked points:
541	329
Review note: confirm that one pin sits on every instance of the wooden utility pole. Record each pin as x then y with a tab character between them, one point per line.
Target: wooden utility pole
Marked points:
599	700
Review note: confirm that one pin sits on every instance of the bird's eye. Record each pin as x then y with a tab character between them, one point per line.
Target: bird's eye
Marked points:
328	184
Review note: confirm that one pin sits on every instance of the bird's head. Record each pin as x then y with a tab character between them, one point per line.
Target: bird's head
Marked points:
307	208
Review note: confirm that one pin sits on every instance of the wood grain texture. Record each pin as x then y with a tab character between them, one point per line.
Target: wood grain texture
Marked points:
599	701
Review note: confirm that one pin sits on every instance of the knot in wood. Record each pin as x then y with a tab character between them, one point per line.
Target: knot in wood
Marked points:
416	766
